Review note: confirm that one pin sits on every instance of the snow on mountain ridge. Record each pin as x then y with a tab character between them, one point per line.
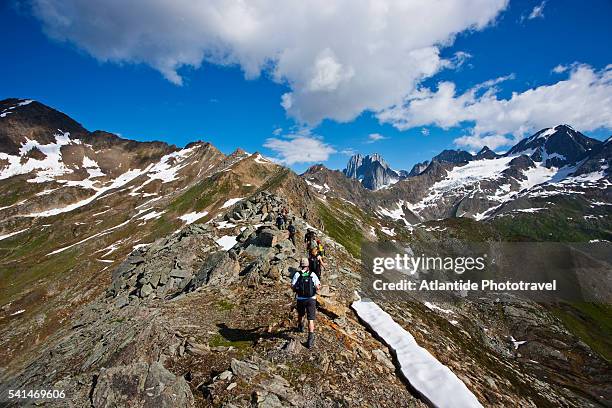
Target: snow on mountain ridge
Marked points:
49	167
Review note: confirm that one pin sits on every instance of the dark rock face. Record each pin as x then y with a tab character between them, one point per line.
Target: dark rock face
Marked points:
453	156
485	153
418	168
598	159
372	170
21	119
558	146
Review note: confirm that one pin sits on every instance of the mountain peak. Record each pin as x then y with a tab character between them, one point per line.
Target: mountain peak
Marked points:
453	156
372	170
486	153
557	146
26	119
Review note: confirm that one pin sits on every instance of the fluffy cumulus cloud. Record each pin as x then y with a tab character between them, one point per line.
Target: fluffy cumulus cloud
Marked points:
583	100
299	147
338	58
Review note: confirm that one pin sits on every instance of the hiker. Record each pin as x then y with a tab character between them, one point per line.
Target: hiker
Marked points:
305	284
320	248
315	262
309	238
280	222
292	230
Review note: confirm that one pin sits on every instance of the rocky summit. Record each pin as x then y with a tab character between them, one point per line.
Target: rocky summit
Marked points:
145	274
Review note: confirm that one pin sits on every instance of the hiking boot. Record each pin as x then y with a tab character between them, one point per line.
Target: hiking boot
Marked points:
300	328
311	339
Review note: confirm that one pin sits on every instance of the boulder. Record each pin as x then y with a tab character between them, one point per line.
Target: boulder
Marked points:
140	384
245	234
330	306
260	251
269	238
146	290
274	273
244	369
220	268
179	273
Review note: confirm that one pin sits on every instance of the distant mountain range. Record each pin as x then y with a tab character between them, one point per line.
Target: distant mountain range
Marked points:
553	147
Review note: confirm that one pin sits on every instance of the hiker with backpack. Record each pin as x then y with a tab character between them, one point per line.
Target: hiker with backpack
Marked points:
305	284
315	262
280	222
309	239
320	248
292	231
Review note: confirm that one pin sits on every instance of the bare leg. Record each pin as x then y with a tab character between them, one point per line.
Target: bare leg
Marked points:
311	326
311	334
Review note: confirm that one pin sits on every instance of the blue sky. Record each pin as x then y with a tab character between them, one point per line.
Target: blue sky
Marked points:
113	82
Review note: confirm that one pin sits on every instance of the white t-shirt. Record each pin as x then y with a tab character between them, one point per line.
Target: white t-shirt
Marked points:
315	281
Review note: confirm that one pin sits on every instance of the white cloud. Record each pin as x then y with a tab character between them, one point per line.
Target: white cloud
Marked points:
299	147
559	69
338	58
375	137
537	12
583	100
477	142
425	131
459	59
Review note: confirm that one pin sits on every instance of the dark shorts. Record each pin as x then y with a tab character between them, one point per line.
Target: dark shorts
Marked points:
308	307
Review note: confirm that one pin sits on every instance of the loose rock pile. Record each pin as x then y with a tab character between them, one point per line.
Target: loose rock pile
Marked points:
262	207
163	269
191	258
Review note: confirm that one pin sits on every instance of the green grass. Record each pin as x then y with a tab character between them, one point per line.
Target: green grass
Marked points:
343	230
275	181
224	305
14	189
564	222
196	198
591	322
218	340
15	279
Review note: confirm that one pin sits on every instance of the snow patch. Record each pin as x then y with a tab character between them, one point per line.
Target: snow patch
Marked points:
48	168
192	216
151	215
17	312
517	343
10	234
225	224
262	160
388	231
435	381
432	306
120	181
227	242
105	232
231	202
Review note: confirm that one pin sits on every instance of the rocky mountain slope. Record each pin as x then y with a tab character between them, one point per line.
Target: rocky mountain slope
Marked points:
144	274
